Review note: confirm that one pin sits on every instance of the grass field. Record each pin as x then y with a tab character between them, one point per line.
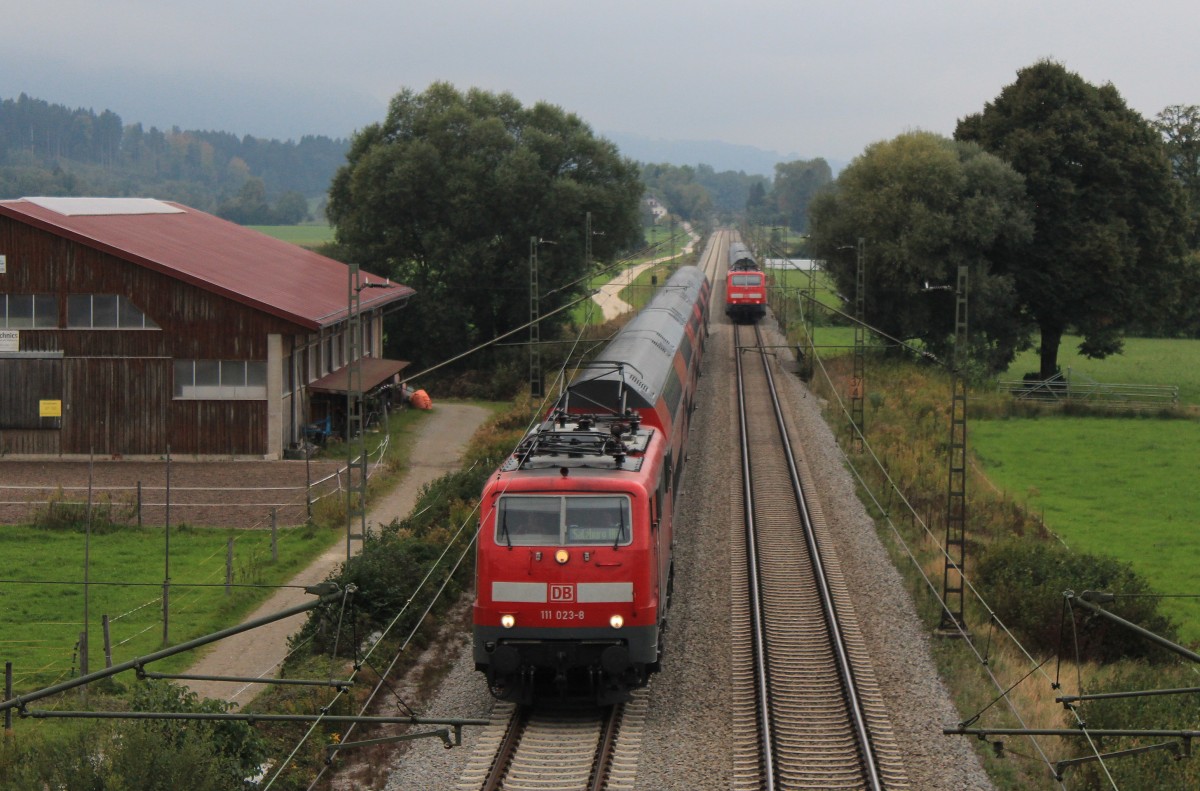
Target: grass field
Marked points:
42	613
1120	487
311	235
1114	486
1151	361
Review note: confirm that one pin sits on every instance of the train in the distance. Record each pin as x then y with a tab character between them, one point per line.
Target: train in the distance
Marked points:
745	286
574	552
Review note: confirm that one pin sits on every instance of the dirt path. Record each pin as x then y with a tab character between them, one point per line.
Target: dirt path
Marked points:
608	296
258	653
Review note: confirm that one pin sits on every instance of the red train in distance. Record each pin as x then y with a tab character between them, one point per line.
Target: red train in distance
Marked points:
574	552
745	286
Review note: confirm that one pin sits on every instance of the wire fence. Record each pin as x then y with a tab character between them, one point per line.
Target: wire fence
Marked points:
57	648
194	493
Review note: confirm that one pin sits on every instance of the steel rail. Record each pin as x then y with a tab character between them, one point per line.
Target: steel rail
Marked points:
761	670
508	748
837	639
606	749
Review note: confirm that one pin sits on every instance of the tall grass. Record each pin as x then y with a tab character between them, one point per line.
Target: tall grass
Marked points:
907	428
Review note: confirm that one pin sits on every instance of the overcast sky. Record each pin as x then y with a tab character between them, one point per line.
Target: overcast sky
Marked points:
791	76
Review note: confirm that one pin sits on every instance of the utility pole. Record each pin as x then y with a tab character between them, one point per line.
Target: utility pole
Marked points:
587	243
166	597
356	435
858	380
808	305
535	337
953	623
356	493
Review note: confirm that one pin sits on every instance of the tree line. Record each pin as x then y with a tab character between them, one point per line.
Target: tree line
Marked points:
52	149
1072	213
700	192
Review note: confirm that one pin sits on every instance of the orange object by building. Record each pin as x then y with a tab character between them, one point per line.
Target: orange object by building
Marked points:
421	400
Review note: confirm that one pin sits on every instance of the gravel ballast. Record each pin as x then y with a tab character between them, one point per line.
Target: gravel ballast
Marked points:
686	744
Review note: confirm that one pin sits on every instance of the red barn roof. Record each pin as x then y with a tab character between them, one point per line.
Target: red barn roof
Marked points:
267	274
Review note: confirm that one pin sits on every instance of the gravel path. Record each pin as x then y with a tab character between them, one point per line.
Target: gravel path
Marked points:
686	744
608	295
443	438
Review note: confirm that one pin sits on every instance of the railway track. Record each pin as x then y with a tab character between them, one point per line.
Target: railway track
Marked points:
527	749
807	713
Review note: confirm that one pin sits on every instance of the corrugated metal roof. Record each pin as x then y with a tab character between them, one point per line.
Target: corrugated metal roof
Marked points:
267	274
374	370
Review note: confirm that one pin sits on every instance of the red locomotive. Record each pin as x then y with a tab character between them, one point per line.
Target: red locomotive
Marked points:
745	286
573	566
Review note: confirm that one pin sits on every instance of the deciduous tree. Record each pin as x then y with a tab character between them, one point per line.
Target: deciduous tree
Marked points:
926	204
1179	126
1108	237
796	184
445	195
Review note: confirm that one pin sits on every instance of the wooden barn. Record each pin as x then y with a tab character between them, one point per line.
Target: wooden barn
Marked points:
128	325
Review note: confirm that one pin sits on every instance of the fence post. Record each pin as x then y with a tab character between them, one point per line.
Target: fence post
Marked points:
166	597
274	535
139	504
107	642
228	566
83	654
166	612
8	696
307	480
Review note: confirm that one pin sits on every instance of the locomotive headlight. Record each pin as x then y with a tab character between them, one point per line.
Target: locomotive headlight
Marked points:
508	621
616	622
562	556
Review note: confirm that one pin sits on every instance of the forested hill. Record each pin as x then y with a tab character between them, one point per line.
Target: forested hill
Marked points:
51	149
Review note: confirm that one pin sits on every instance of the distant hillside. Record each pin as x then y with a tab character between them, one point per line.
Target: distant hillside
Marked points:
721	156
52	149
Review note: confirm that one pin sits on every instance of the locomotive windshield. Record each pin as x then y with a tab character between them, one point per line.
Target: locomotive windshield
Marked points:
573	520
747	280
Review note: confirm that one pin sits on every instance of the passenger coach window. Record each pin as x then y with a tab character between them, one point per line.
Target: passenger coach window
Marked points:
582	520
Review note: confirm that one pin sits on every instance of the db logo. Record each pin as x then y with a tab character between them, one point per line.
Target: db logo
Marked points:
562	593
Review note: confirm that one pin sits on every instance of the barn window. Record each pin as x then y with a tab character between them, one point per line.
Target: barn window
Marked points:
105	311
28	311
221	380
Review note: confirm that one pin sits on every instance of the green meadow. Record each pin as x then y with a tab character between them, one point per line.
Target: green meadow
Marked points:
42	605
311	235
1150	361
1119	486
1124	487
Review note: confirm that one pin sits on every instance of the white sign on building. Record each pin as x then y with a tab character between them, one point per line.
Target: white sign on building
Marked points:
10	340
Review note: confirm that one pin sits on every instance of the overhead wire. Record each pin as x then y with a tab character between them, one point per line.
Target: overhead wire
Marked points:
543	406
988	668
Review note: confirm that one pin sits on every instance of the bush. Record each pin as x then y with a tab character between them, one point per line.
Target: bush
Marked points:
69	515
394	560
1024	583
1157	712
149	755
